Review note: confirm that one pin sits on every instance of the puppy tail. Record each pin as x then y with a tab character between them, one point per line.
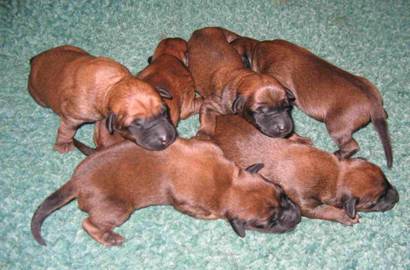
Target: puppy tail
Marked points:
380	124
58	199
378	116
85	149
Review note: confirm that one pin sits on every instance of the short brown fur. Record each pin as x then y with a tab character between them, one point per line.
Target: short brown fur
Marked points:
82	88
323	186
343	101
191	175
166	70
227	86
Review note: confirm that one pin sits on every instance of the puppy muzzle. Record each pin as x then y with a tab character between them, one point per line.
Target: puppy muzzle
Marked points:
388	200
155	135
277	125
289	217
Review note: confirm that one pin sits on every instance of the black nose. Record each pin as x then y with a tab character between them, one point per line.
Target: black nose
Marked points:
165	139
159	136
280	127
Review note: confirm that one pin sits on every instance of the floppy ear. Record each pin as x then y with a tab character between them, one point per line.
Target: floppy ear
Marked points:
238	104
291	97
238	227
255	167
163	92
149	60
111	122
349	205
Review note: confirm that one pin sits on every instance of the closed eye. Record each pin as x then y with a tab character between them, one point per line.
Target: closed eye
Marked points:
136	123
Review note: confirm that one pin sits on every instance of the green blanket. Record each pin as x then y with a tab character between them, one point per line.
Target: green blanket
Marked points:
370	38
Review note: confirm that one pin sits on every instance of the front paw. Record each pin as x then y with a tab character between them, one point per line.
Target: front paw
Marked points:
346	220
63	147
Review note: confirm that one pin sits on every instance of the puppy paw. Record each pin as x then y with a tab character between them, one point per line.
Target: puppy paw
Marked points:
63	147
110	238
346	220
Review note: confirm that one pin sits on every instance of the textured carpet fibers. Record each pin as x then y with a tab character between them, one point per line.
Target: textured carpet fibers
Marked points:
366	37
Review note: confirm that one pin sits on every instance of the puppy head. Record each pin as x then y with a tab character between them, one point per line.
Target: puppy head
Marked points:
266	104
366	188
171	46
138	113
256	204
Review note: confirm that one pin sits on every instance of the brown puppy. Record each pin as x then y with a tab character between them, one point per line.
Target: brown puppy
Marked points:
82	88
230	88
343	101
191	175
323	186
166	70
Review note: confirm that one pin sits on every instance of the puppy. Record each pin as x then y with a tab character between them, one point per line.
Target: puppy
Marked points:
323	186
191	175
230	88
82	88
343	101
167	71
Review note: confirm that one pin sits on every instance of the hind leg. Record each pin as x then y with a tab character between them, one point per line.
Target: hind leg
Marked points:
347	146
101	222
103	235
65	135
341	132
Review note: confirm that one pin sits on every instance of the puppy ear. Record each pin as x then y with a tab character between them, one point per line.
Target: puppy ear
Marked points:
349	205
149	60
291	97
238	104
163	92
238	227
111	122
255	168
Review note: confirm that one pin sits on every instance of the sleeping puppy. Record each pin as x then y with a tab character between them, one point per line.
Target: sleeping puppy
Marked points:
82	88
229	88
323	186
343	101
191	175
166	71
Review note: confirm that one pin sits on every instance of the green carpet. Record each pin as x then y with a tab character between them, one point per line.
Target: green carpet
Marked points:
371	38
